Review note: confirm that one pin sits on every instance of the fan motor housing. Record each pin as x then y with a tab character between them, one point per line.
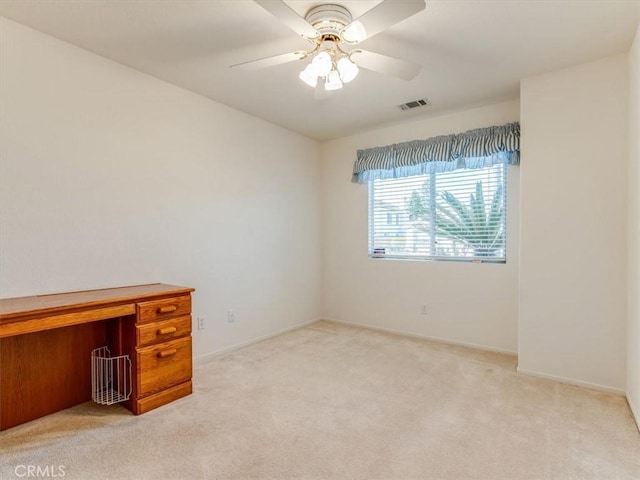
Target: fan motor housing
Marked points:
328	18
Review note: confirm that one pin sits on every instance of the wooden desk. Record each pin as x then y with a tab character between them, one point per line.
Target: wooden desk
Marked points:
46	343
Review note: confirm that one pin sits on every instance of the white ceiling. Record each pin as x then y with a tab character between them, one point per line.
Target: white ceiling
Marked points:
472	52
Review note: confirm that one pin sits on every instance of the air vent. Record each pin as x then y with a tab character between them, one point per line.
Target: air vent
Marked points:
423	102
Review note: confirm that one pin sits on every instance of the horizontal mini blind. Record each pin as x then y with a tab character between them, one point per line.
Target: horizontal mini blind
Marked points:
458	215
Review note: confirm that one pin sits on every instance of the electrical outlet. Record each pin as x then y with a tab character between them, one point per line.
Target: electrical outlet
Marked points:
424	309
200	323
231	316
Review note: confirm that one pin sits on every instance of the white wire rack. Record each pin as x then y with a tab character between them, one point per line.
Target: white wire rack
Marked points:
110	377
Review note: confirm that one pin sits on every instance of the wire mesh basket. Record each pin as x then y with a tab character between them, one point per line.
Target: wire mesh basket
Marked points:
110	377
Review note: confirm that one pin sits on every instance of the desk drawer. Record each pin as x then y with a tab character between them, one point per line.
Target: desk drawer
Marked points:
163	365
163	331
160	309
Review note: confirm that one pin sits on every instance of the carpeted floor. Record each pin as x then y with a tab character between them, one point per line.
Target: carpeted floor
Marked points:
330	401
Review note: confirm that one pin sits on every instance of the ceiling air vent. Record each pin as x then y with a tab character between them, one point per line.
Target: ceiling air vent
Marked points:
423	102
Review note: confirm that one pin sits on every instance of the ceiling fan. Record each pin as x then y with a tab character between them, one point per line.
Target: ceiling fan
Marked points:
332	31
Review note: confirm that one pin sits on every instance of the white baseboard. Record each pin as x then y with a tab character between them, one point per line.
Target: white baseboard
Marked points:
634	411
572	381
424	337
222	351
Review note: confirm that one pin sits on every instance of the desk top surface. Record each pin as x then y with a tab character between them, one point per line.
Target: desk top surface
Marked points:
15	308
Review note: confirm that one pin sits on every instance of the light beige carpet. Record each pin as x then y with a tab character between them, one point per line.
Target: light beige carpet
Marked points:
330	401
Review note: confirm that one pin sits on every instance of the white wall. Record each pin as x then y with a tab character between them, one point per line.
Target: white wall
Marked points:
573	284
469	303
111	177
633	334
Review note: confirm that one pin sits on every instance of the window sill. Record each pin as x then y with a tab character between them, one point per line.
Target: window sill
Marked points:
439	259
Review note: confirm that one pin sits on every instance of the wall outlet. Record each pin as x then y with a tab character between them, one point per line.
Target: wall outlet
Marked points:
231	316
424	309
200	323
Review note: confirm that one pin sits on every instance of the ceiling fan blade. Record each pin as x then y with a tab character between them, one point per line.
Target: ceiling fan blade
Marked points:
270	61
379	18
289	17
387	65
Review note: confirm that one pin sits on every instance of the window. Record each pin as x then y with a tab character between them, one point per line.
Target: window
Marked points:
458	215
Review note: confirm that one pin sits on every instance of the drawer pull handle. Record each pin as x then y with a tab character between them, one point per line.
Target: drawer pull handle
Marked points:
167	309
167	330
167	353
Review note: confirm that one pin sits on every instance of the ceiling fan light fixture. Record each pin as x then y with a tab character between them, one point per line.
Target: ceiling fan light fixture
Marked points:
333	81
347	69
328	27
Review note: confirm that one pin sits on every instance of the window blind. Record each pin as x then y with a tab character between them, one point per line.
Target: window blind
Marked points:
456	215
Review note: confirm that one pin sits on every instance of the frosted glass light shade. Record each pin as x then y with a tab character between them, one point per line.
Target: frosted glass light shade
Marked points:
347	69
309	76
333	81
322	64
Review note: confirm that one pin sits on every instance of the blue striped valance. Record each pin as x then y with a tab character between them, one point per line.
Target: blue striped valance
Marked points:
478	148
